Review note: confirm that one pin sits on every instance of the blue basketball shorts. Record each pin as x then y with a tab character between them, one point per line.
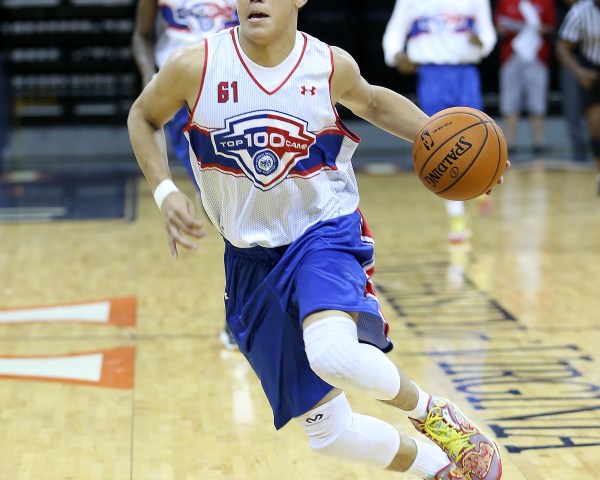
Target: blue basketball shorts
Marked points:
445	86
269	291
180	144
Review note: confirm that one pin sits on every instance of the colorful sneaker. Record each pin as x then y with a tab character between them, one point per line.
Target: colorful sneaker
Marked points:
464	443
450	472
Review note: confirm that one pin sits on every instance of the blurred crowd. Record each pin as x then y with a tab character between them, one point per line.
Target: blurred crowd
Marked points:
438	39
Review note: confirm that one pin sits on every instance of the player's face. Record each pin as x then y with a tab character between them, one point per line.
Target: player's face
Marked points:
266	19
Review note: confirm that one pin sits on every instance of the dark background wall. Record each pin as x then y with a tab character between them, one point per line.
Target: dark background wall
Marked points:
69	61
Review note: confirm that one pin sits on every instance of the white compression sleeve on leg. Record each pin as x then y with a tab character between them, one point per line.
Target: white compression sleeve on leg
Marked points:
335	354
334	430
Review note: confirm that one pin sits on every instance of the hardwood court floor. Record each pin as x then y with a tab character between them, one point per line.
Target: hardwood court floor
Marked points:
507	325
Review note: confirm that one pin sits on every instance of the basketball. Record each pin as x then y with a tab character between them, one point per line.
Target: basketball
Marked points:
460	153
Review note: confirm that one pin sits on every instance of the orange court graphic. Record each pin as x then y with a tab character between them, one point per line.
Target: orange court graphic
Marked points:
108	368
119	312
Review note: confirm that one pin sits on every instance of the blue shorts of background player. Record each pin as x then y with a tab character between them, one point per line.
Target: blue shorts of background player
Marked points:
178	142
445	86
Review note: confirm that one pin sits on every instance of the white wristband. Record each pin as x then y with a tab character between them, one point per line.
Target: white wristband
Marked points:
164	188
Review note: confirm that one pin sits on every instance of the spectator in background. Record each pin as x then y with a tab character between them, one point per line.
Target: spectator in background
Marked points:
571	99
578	48
524	28
5	105
442	41
159	30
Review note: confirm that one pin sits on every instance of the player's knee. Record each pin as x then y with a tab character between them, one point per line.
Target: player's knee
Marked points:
332	349
335	355
323	425
335	431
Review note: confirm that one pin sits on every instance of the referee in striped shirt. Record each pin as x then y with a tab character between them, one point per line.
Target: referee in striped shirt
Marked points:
578	48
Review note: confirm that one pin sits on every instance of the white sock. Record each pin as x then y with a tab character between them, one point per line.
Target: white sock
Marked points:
430	459
455	208
420	411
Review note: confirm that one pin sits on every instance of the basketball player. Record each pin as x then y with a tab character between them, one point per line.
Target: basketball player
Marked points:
442	41
525	28
273	163
180	22
580	32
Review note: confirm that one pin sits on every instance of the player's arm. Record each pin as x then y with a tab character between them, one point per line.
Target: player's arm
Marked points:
175	85
380	106
485	37
394	39
143	40
565	53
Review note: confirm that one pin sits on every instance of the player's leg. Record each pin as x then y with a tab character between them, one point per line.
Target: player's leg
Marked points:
591	100
334	430
510	99
433	99
573	112
536	88
271	339
458	222
592	114
335	354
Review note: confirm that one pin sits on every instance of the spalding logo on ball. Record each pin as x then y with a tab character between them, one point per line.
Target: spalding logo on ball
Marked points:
460	153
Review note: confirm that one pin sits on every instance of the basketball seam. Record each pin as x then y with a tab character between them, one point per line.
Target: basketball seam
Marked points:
464	172
497	163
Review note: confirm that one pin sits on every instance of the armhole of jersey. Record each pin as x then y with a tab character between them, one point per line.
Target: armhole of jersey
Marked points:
339	122
191	112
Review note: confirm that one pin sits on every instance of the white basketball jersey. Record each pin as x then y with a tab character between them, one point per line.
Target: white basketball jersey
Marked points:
271	159
181	22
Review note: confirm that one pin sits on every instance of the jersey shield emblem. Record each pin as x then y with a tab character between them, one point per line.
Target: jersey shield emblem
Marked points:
265	144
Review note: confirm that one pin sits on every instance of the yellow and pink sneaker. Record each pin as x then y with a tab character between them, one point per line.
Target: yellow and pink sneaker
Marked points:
473	452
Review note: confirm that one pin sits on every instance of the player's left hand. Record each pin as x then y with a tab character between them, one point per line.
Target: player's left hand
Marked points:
179	214
500	180
475	40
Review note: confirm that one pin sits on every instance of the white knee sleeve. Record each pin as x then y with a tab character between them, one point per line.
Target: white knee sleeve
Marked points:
334	430
335	354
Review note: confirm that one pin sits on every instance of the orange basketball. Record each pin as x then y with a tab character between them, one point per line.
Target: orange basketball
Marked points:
460	153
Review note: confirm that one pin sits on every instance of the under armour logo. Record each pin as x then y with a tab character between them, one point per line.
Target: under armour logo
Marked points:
315	419
311	90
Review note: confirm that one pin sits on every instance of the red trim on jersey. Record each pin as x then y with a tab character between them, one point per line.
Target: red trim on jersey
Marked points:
191	112
222	169
341	125
237	49
328	131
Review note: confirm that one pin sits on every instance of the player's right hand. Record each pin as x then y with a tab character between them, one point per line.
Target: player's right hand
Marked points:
500	180
179	214
404	65
587	77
